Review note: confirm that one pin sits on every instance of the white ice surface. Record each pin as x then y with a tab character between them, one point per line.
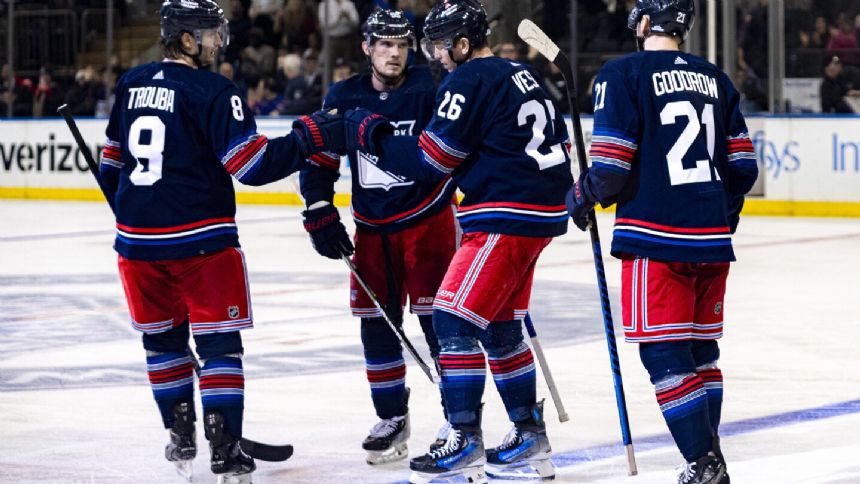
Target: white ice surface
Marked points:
75	405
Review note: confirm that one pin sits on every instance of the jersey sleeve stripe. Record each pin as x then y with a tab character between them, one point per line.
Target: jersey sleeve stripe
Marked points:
112	154
440	152
245	153
326	159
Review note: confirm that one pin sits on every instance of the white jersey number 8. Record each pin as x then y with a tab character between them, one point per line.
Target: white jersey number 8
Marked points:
152	151
534	108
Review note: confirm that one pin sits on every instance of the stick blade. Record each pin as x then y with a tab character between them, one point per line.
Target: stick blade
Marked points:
535	37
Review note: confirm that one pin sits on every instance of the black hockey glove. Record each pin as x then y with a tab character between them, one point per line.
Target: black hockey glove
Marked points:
320	131
364	130
578	203
328	235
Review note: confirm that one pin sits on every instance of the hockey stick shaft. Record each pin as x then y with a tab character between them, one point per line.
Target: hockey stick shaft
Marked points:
397	329
85	150
547	374
535	37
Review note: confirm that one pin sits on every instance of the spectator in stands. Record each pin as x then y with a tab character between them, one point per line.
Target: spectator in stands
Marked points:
240	24
752	52
303	94
341	24
835	87
226	70
843	41
291	68
84	94
266	99
819	37
508	50
342	70
258	59
753	96
298	21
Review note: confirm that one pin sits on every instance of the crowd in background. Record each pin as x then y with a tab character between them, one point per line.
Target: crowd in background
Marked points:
276	53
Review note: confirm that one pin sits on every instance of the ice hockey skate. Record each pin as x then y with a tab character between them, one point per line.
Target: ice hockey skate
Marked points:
182	447
710	469
524	452
462	455
228	461
387	440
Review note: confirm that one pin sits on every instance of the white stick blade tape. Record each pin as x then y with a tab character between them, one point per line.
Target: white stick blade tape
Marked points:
535	37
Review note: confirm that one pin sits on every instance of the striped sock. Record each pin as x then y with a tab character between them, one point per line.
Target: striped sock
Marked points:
713	378
463	376
222	389
171	378
387	380
684	404
514	374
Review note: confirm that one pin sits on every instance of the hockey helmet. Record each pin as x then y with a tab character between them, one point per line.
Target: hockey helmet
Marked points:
388	24
450	20
194	17
673	17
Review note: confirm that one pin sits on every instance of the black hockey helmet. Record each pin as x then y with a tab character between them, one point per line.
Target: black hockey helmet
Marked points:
192	16
388	24
673	17
450	20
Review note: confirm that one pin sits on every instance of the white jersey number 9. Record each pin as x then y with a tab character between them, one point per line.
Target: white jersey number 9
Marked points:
152	150
534	108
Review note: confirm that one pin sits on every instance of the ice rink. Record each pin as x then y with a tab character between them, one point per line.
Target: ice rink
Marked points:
76	406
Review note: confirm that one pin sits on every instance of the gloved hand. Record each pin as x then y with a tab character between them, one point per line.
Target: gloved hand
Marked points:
578	204
320	131
733	211
364	130
328	235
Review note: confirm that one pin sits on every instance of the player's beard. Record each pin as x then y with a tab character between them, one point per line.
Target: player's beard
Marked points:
386	79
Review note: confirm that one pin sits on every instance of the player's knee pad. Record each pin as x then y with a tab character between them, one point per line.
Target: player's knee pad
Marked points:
219	344
448	326
174	340
378	338
706	353
663	360
503	338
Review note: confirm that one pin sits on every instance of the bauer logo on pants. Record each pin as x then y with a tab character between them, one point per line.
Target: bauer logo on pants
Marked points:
233	312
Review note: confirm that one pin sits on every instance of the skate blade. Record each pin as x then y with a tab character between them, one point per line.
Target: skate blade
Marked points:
185	469
392	454
542	469
234	478
473	475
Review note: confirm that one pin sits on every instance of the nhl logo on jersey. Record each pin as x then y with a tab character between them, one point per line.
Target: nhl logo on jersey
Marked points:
233	312
718	307
383	95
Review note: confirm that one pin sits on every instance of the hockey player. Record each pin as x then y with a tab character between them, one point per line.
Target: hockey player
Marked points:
406	234
502	140
670	148
177	134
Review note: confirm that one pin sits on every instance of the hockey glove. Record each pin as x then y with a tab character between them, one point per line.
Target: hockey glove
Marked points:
364	130
733	211
328	235
578	204
320	131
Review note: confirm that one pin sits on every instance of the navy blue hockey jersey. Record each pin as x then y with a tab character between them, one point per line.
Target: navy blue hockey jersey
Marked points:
503	140
175	136
671	147
381	200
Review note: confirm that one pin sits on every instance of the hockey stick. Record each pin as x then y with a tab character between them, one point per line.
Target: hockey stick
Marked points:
88	156
398	330
547	375
257	450
535	37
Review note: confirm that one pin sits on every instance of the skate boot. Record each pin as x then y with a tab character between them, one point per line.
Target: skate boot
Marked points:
387	440
525	448
182	448
710	469
462	455
229	462
441	436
